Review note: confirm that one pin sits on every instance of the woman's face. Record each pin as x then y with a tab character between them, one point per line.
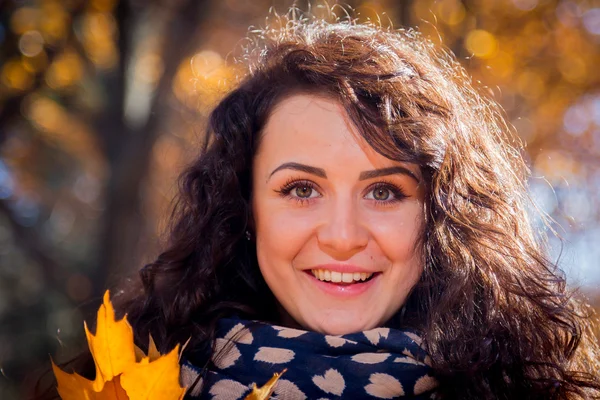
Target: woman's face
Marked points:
336	222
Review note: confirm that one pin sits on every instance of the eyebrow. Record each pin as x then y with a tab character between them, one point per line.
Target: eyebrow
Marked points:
397	169
320	172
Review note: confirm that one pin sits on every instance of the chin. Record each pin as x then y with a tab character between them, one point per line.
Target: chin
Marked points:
340	325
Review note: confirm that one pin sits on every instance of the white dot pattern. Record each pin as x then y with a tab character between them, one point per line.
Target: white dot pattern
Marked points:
382	363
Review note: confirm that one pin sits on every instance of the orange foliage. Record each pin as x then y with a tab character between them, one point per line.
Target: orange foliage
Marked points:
123	372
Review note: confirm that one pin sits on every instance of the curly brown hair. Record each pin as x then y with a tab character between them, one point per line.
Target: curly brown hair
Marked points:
494	311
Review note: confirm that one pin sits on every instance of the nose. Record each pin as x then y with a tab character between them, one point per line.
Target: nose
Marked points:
342	233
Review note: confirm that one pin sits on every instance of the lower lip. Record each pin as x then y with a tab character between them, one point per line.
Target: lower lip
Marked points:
352	290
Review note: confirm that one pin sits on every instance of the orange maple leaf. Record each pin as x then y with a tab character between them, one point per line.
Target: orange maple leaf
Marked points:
123	371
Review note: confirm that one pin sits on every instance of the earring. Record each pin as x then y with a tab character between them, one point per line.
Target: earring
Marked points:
248	235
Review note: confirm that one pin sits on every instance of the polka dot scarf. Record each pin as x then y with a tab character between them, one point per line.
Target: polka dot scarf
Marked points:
381	363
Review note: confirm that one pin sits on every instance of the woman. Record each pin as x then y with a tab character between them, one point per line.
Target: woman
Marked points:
355	184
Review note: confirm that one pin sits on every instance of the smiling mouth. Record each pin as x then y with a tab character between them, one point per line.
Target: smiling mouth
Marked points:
342	278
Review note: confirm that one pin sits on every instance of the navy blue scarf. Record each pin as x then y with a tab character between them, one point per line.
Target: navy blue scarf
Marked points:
381	363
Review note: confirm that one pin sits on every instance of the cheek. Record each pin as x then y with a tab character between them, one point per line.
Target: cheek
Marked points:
281	234
397	233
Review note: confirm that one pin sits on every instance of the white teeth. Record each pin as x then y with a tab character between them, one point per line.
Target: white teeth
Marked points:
337	277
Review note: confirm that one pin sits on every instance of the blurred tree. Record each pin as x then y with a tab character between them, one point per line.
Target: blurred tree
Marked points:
78	103
75	146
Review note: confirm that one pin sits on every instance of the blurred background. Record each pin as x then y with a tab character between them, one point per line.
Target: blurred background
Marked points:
102	102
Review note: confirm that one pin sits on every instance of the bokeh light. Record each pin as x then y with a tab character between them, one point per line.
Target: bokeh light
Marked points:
573	68
530	84
98	32
451	12
15	76
481	43
25	19
31	43
55	24
202	80
568	13
502	65
591	21
65	71
576	120
525	5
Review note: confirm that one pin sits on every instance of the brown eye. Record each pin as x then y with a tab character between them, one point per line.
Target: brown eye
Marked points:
303	191
381	194
385	193
300	190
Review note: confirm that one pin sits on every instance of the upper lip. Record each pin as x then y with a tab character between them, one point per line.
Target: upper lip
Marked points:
342	268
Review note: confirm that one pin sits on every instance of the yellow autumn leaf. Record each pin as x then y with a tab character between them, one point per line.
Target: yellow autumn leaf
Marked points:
264	392
156	380
123	371
76	387
112	346
112	390
73	386
153	352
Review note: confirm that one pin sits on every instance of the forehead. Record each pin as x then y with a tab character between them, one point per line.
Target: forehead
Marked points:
304	113
312	126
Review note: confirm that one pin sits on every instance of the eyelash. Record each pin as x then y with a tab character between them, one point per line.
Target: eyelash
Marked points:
292	184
